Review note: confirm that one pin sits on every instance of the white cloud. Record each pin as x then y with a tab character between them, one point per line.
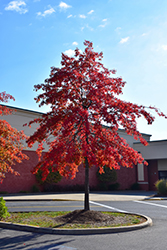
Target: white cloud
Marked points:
118	29
124	40
164	47
64	6
69	52
75	43
90	12
18	6
104	23
82	16
46	12
90	28
69	16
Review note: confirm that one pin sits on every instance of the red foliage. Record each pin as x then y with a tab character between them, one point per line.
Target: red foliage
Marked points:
10	142
82	95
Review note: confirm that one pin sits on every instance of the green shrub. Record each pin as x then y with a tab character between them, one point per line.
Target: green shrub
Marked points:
78	188
102	186
68	188
35	189
135	186
3	209
109	175
51	188
23	192
3	192
53	177
114	186
161	186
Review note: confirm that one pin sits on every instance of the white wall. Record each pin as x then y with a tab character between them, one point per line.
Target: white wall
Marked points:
155	150
19	118
22	116
130	140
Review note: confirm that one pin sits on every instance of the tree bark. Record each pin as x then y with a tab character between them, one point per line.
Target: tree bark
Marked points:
86	205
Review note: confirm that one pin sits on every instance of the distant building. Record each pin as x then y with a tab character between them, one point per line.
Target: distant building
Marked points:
155	154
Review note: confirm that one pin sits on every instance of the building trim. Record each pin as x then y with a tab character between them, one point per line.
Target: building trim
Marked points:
139	182
22	109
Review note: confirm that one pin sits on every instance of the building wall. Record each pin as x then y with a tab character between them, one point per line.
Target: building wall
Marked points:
126	177
155	150
152	173
130	140
142	176
21	117
24	182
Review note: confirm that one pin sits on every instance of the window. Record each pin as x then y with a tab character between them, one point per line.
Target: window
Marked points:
162	175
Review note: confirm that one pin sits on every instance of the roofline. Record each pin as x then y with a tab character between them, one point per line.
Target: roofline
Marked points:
140	132
123	130
41	113
165	140
22	109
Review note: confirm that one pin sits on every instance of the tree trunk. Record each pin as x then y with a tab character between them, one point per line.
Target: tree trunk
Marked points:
86	207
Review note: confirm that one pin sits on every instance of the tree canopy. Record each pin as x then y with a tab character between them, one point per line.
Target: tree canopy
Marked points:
83	96
11	145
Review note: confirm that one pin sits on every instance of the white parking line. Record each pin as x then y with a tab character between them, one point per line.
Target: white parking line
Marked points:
112	208
58	247
152	204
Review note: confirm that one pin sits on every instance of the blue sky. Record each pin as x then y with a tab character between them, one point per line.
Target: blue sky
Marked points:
131	33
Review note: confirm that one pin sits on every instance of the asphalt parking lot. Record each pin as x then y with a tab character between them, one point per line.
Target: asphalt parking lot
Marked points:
153	237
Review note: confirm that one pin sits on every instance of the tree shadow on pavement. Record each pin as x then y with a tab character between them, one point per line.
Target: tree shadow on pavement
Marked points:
31	241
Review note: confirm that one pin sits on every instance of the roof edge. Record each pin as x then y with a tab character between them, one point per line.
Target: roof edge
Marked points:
22	109
164	140
41	113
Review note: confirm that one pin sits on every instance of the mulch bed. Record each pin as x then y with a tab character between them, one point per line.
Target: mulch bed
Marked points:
93	218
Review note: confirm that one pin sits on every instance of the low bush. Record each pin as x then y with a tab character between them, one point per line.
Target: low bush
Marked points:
3	192
3	209
35	189
161	186
109	175
47	187
114	186
102	187
68	188
135	186
53	177
107	187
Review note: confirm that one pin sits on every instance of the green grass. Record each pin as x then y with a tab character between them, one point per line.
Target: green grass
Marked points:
46	219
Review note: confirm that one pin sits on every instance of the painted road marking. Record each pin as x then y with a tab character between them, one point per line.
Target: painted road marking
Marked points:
58	247
152	204
112	208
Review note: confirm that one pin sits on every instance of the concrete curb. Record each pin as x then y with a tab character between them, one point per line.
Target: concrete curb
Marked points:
35	229
25	200
155	199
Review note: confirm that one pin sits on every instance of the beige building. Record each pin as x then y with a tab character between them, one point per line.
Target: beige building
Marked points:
155	154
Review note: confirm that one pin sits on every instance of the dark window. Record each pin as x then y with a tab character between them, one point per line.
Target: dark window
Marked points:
162	175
